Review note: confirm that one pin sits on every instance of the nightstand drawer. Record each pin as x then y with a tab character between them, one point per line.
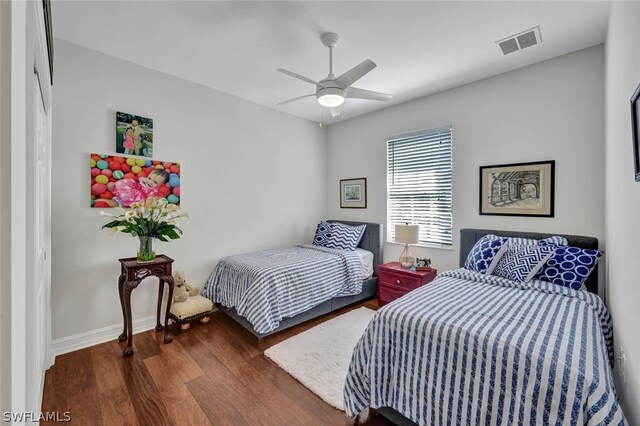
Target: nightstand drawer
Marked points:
400	280
389	294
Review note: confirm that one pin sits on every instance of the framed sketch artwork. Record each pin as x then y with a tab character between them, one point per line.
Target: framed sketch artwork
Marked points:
353	193
523	189
635	130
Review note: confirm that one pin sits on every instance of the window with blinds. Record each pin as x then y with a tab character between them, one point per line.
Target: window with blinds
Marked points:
419	171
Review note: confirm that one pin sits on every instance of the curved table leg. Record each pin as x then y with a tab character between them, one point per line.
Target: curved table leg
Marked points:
128	288
121	281
160	291
169	280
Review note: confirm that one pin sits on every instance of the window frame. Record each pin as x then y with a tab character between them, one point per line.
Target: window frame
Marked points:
426	133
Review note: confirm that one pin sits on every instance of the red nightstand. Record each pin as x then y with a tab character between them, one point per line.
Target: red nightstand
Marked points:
395	281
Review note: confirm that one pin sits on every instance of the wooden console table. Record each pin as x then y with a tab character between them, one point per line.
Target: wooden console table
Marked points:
132	274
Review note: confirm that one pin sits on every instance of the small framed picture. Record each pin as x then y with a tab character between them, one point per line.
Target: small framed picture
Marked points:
635	130
522	189
423	263
134	134
353	193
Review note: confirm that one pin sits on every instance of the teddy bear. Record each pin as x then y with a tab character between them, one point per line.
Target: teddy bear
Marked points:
180	293
180	281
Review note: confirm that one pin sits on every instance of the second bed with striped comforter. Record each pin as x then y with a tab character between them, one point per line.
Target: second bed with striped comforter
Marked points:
473	349
267	286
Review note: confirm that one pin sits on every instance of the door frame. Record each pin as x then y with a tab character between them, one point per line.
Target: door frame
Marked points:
24	52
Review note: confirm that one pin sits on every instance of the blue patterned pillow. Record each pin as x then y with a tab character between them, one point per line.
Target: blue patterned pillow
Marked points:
324	231
556	239
569	266
485	254
344	237
521	261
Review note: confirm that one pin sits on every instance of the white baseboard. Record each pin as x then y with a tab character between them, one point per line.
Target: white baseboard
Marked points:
101	335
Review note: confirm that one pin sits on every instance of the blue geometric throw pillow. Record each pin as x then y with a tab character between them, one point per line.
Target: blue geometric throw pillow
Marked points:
324	231
485	254
556	239
569	266
345	237
521	262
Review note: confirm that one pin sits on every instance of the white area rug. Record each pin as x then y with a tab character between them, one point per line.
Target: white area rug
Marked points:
319	357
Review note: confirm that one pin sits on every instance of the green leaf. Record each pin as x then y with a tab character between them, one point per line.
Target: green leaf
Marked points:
172	234
112	224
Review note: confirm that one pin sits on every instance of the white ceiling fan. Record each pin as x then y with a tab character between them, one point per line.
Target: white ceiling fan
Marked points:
332	91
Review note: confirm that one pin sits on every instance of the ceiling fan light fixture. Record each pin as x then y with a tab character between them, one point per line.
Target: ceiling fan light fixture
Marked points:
332	91
331	97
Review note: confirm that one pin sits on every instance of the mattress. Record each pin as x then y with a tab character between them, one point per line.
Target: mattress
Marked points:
475	349
366	259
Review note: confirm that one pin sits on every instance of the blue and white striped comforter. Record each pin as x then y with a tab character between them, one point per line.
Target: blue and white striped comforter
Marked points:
266	286
472	349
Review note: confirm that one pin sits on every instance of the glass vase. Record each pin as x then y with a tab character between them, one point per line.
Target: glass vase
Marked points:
145	252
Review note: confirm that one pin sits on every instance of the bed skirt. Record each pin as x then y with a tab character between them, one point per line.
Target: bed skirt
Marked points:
369	289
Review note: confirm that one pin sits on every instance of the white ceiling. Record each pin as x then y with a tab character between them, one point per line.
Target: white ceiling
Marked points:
236	46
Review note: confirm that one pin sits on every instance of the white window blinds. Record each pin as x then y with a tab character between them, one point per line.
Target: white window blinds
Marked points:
419	169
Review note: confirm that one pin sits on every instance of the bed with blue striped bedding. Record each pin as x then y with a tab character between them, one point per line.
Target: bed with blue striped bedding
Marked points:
267	286
473	349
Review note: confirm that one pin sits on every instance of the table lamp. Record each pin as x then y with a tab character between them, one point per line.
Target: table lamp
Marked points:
407	234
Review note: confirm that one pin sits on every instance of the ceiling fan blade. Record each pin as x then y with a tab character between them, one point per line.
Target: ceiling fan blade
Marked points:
335	112
298	76
355	73
355	93
296	99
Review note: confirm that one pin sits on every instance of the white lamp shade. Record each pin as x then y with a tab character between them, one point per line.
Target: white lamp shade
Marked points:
408	234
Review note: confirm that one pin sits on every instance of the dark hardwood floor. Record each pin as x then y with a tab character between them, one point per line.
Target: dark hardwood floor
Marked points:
213	374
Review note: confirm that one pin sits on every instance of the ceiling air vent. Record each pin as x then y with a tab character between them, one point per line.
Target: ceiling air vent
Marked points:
509	46
520	41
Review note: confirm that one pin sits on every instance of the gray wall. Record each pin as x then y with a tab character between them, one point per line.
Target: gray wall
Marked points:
622	199
252	178
547	111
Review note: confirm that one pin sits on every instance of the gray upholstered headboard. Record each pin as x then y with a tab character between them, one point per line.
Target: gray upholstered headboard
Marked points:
468	238
372	240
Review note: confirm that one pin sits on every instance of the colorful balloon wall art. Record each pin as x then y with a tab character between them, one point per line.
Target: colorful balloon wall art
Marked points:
120	181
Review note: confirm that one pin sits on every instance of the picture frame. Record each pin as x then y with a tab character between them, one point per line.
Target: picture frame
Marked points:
518	189
353	193
423	264
635	130
134	134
